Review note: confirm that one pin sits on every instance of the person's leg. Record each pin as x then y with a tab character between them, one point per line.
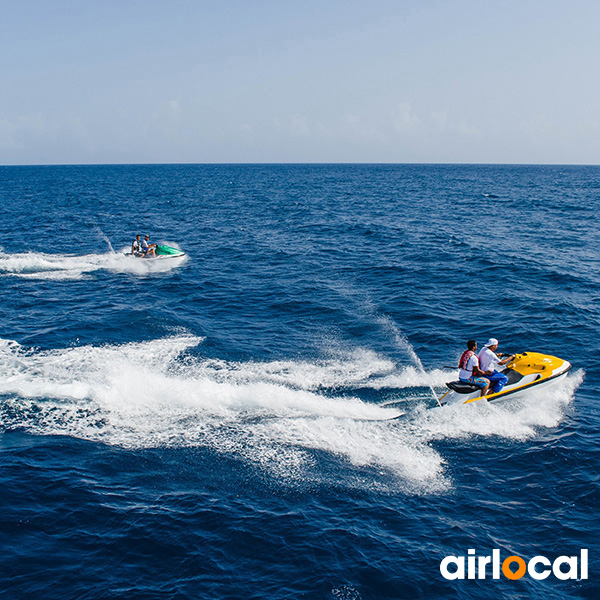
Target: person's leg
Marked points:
497	381
485	390
482	382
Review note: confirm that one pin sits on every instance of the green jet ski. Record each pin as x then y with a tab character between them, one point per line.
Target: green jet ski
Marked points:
168	251
161	251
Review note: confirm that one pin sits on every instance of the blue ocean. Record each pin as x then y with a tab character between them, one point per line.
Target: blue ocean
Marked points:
257	419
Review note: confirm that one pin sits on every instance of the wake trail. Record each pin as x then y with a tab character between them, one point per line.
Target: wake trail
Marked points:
40	265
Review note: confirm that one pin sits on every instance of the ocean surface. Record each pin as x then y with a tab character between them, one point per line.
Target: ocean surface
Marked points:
222	425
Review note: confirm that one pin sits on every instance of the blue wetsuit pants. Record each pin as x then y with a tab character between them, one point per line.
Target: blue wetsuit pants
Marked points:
497	381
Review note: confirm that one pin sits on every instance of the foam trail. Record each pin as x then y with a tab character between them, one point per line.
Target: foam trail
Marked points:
271	415
40	265
356	369
153	394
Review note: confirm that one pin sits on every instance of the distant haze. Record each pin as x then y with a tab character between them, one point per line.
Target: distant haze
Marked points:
309	81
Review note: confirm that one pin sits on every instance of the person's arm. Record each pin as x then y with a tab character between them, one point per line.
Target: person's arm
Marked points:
478	371
507	359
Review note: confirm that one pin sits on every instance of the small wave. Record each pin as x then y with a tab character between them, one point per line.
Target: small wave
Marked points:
39	265
272	415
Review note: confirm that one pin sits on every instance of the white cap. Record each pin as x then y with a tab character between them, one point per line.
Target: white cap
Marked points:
491	342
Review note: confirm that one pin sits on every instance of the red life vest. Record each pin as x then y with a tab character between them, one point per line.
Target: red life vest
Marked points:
464	359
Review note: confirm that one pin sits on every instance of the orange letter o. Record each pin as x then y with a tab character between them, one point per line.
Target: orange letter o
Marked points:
519	572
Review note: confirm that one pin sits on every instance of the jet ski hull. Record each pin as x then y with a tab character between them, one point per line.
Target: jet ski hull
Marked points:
168	251
527	371
161	252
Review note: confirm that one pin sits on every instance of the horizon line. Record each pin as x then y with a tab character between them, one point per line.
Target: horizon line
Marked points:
320	163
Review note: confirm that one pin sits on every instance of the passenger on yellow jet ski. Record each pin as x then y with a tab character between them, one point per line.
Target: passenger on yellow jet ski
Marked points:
469	369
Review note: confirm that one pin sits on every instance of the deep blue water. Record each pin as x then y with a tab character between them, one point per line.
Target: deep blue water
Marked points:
218	427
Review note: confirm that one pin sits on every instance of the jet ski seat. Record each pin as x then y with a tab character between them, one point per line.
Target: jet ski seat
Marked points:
466	388
461	388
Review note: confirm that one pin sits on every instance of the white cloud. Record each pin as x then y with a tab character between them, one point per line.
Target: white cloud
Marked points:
439	119
404	120
299	126
355	127
466	130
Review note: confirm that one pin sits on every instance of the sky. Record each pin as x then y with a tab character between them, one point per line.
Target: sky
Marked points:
309	81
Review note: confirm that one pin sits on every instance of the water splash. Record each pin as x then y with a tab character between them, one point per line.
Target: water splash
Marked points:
366	306
105	238
403	343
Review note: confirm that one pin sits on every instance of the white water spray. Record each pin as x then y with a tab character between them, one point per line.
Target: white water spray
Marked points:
407	347
105	238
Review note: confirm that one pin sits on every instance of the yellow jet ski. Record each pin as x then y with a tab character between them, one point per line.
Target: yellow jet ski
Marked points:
529	370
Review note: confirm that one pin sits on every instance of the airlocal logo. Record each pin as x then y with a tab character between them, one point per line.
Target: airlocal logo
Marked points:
514	567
